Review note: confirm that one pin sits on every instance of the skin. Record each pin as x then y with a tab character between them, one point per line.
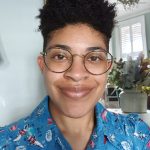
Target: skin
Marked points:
75	92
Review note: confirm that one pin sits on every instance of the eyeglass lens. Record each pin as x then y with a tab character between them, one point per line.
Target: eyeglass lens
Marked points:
96	62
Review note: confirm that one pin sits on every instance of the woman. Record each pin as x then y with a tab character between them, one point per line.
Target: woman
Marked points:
74	63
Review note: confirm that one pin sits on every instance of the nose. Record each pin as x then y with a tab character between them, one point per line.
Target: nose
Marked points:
77	71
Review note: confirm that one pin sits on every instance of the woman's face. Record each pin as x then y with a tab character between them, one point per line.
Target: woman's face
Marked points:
75	92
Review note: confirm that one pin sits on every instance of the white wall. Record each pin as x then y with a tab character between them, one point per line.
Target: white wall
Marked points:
21	85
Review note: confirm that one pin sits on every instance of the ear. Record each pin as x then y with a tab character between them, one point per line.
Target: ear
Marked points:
40	61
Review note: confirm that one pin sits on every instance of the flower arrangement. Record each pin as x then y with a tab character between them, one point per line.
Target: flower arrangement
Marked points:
145	89
115	77
144	83
121	74
131	74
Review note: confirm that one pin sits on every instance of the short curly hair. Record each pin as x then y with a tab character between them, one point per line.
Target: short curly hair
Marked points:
56	14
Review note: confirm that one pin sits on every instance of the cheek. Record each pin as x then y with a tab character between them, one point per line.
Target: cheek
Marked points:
50	79
101	80
101	83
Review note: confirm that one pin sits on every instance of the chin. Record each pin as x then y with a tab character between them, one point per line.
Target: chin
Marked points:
78	112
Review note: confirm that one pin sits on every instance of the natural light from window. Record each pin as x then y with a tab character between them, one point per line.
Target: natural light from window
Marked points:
132	38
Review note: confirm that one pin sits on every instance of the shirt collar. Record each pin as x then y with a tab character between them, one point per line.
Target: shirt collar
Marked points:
104	120
42	111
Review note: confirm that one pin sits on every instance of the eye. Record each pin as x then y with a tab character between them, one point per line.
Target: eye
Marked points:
59	56
94	58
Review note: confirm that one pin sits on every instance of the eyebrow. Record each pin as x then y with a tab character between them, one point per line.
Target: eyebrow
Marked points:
66	47
95	48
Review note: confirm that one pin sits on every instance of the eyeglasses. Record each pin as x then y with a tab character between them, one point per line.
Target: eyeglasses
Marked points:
96	62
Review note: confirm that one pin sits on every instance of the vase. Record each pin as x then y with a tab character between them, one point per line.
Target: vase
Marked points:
133	101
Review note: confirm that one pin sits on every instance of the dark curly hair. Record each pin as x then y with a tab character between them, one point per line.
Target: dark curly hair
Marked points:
56	14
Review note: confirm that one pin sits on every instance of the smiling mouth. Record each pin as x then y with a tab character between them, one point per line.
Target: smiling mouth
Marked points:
75	92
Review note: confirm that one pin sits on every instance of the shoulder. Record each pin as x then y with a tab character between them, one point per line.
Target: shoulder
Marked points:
24	130
11	133
125	130
130	129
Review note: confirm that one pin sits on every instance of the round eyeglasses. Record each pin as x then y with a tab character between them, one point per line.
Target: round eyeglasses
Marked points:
96	62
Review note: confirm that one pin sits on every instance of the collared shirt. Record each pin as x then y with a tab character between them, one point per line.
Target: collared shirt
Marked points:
112	132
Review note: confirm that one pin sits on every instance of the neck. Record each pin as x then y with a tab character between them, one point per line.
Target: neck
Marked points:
77	131
73	125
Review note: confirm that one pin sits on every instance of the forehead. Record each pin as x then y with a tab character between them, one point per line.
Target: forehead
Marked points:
78	36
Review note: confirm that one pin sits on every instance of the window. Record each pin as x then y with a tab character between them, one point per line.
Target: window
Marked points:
132	37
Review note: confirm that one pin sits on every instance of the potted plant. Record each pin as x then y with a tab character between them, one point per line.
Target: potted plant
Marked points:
131	76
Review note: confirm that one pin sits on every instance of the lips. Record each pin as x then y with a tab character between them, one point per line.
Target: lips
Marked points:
75	92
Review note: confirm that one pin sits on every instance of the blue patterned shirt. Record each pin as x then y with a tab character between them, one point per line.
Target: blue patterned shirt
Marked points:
112	132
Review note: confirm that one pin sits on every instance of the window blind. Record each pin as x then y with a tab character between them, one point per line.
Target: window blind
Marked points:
131	40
